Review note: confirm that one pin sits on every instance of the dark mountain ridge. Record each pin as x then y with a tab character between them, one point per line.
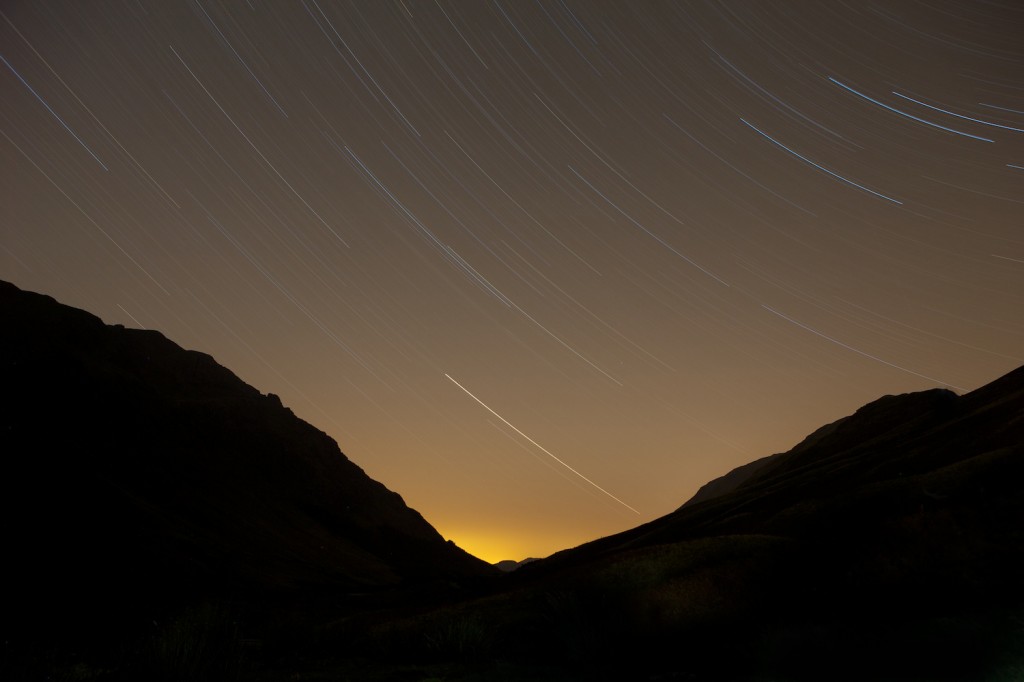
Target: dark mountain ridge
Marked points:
888	544
140	477
138	474
897	441
509	565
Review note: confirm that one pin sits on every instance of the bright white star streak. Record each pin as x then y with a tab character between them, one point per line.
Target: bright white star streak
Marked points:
538	445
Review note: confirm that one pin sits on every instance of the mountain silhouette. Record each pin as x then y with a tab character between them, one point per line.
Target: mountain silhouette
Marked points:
509	565
924	448
142	481
887	544
139	476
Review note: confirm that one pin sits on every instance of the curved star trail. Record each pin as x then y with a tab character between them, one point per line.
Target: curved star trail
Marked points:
666	238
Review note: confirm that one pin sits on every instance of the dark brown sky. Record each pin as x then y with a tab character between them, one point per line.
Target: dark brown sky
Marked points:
645	241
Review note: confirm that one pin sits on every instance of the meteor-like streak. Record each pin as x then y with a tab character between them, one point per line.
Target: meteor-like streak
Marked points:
538	445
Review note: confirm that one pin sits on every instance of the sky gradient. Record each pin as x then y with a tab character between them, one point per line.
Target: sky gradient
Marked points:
542	268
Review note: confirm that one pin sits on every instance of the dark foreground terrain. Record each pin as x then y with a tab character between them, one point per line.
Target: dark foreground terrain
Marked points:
165	521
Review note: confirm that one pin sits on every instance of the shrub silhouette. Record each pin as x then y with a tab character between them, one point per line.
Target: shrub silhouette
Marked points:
200	644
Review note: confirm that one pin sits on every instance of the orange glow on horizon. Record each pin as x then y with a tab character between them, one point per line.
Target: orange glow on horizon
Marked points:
493	547
652	246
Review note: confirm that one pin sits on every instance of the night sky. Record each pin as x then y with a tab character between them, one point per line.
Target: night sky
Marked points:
543	268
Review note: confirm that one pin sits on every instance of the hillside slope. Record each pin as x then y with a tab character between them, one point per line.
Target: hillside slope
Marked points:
888	544
138	476
930	448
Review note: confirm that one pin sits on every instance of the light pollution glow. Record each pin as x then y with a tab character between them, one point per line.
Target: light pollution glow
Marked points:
661	238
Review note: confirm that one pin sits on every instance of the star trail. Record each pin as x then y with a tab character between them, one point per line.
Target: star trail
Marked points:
663	238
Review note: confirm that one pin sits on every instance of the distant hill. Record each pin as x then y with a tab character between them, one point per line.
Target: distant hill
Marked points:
139	476
727	483
509	565
928	447
893	414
